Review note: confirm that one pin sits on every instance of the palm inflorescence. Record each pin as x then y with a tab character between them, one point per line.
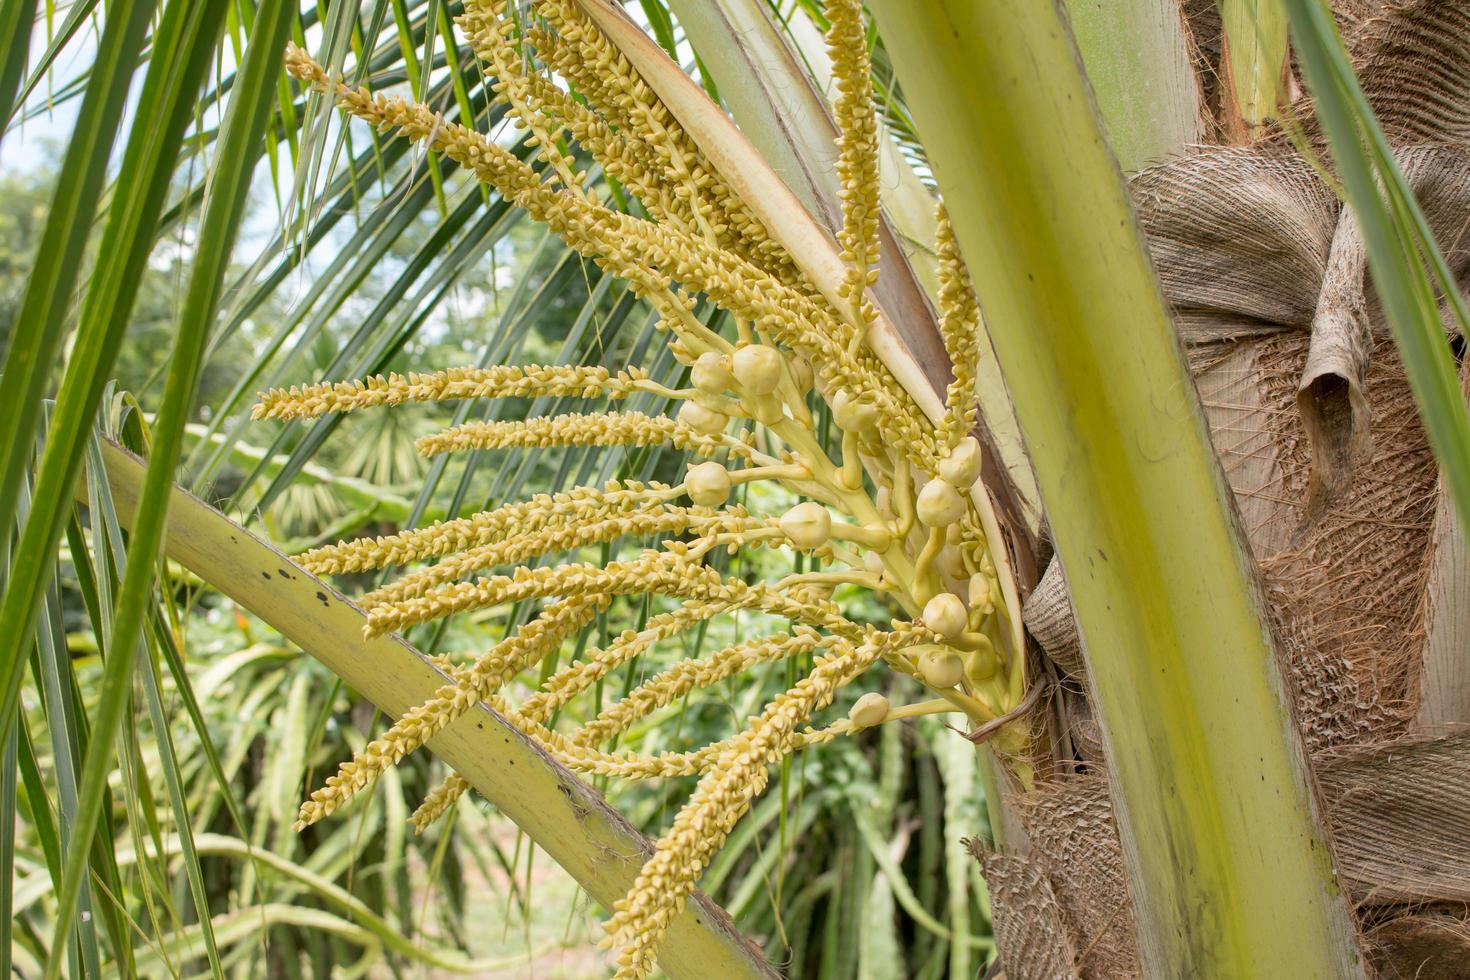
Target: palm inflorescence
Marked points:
898	512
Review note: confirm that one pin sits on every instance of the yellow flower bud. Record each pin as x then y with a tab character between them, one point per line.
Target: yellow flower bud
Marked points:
883	501
941	668
808	525
711	373
981	664
766	410
701	419
708	484
868	710
961	468
757	368
949	561
945	614
979	591
939	504
873	562
801	374
854	415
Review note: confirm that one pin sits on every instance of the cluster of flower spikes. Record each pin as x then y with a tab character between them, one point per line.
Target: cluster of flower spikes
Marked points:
892	514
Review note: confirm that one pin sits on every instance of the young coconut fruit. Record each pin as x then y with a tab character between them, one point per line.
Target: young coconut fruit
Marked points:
807	525
946	615
868	710
711	373
855	415
961	468
941	667
939	504
758	368
701	419
708	484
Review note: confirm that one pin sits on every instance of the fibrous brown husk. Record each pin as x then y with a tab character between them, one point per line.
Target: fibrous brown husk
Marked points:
1027	920
1399	816
1420	947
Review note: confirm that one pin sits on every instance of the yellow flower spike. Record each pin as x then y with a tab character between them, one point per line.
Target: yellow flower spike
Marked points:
602	429
653	572
512	85
939	505
561	687
665	765
807	525
946	615
708	484
857	160
959	326
674	683
559	536
869	710
722	797
587	504
471	685
500	381
438	802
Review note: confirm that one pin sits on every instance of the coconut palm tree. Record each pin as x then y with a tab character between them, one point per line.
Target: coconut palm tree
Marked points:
1237	669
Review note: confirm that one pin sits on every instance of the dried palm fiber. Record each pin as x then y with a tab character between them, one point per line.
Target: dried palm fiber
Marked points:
1399	814
1444	690
1026	918
1204	35
1435	946
1411	61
